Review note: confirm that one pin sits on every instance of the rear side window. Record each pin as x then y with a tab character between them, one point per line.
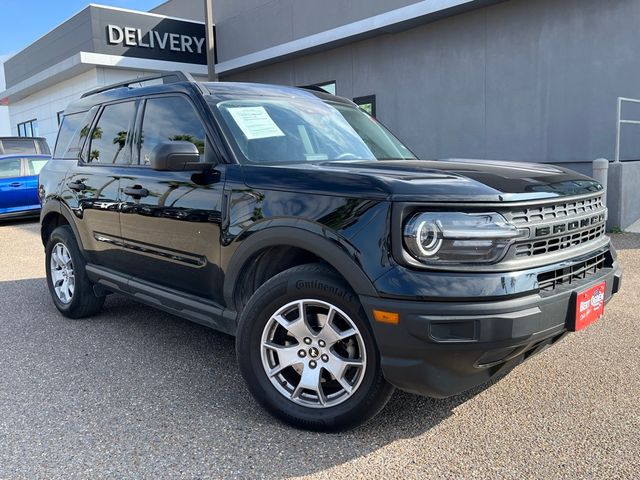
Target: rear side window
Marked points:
34	165
169	119
69	131
13	146
110	137
10	168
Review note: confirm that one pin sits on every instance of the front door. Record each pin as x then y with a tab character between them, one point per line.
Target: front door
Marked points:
171	220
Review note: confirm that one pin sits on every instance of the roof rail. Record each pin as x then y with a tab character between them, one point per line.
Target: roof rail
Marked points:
167	77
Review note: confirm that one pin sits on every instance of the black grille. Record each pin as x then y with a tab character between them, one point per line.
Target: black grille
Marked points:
556	227
562	210
548	245
550	281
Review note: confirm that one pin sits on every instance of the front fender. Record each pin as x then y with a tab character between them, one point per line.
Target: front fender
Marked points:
312	237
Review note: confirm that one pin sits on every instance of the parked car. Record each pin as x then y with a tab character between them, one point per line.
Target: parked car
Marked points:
24	145
19	184
343	264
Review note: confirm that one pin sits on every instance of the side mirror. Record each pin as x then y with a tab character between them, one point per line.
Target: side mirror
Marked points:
177	157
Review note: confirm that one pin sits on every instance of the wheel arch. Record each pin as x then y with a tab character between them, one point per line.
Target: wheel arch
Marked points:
52	215
325	248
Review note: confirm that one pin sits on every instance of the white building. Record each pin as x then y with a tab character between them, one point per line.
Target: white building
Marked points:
97	46
5	126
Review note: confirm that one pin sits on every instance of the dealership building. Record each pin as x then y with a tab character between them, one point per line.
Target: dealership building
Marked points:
97	46
522	80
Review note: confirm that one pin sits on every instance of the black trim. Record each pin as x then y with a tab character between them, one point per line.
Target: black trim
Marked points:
329	251
162	253
191	307
440	348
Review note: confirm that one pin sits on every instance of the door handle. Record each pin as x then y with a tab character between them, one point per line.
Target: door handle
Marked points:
136	192
15	184
78	186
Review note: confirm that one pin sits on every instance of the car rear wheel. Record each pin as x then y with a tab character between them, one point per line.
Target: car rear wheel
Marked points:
70	288
307	353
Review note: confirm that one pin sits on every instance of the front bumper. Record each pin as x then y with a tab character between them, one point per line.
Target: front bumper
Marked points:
442	348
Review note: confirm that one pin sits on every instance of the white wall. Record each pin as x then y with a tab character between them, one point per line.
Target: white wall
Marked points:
5	126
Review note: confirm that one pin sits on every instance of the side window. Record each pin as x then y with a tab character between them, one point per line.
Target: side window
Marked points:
10	168
109	137
18	146
34	165
169	119
68	128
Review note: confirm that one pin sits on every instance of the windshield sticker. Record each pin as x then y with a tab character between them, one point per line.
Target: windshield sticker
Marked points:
255	122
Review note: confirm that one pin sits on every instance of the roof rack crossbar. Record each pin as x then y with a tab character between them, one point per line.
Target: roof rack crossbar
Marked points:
167	77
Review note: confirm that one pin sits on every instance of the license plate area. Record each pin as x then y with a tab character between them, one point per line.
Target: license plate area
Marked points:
589	307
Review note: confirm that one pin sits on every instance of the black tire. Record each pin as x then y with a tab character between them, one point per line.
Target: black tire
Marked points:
84	302
311	281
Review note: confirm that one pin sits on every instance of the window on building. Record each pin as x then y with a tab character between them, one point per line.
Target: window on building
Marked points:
329	87
10	168
367	103
109	139
60	114
169	119
28	129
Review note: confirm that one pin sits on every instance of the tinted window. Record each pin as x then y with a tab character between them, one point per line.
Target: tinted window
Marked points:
10	168
69	127
169	119
18	146
34	165
42	144
109	137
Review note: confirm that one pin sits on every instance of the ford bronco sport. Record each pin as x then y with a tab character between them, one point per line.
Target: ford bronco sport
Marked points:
295	221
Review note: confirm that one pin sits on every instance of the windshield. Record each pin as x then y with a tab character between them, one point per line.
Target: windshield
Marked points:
293	130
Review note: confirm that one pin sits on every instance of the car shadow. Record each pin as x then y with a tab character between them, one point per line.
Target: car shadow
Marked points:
176	370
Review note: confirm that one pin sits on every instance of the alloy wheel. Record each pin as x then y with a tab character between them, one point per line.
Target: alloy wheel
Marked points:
313	353
62	274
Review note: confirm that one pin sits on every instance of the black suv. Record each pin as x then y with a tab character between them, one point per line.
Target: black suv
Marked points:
295	221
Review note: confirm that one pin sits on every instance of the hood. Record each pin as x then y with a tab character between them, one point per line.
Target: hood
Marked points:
424	180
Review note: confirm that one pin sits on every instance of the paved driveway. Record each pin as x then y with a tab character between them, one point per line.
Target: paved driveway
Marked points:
137	393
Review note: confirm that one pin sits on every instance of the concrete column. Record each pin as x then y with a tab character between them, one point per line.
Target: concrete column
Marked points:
601	174
211	41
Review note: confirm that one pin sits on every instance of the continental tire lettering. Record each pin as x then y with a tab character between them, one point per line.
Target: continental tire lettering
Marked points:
322	287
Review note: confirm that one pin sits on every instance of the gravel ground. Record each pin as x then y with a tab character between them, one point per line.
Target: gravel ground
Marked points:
137	393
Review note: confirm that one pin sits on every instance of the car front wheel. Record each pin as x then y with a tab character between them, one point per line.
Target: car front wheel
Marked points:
307	353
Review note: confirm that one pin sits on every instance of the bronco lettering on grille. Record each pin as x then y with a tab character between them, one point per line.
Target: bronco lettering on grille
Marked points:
569	226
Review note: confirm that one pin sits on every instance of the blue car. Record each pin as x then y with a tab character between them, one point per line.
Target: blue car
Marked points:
19	184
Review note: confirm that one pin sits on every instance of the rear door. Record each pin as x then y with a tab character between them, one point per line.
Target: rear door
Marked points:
93	185
171	220
31	167
11	185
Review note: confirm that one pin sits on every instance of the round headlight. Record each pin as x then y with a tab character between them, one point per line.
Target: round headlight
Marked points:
423	238
455	238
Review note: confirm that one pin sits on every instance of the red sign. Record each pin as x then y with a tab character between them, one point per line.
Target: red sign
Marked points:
589	306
